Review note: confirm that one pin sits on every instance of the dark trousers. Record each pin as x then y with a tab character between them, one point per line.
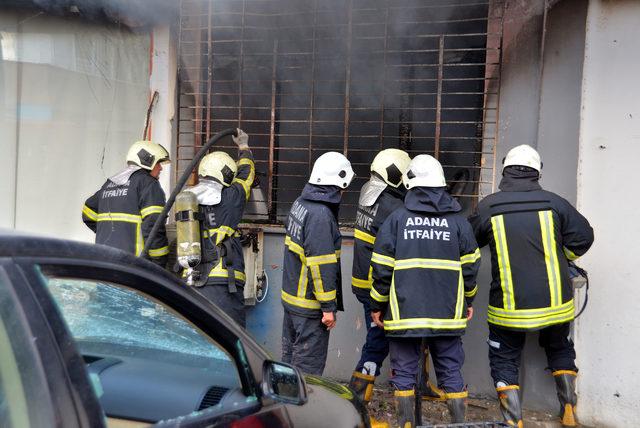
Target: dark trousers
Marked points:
376	345
231	303
305	342
505	351
447	356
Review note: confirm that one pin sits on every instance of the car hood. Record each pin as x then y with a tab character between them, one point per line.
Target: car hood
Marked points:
346	409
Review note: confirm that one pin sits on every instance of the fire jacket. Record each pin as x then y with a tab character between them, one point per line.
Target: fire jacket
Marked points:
311	280
124	210
425	261
223	260
532	234
368	221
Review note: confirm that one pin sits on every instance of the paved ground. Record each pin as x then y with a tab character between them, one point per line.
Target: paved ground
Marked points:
480	409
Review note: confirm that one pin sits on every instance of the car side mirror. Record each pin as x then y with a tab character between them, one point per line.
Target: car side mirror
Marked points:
283	382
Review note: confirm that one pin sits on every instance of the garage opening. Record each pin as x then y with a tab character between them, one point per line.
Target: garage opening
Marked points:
304	77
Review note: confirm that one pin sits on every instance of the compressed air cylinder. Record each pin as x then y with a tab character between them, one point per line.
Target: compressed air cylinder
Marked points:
188	230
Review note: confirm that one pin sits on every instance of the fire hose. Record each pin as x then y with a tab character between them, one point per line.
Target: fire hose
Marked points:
181	182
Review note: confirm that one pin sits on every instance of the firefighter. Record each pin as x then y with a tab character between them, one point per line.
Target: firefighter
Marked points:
311	279
425	261
124	210
379	197
223	190
533	234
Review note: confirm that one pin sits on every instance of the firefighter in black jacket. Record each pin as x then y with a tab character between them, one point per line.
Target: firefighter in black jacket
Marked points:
311	279
532	234
425	261
124	210
379	197
223	191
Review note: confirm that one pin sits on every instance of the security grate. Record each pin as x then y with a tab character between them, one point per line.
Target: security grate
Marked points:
304	77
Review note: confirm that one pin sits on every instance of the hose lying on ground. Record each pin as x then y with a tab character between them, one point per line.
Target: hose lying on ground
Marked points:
180	184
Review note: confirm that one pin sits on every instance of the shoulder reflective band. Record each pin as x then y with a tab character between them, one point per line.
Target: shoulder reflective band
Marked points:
471	258
153	209
246	184
91	214
382	260
504	266
551	256
364	236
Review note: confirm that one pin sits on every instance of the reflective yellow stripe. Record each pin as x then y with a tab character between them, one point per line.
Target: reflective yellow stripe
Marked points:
427	264
219	272
504	265
452	395
364	236
220	232
361	283
302	281
338	253
295	248
325	296
322	260
152	209
246	183
128	218
507	388
393	299
531	318
551	256
158	252
471	258
377	296
91	214
472	292
317	279
563	372
406	393
460	296
382	260
300	302
570	255
435	323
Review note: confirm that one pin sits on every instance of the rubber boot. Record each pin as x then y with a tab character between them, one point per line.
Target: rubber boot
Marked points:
457	404
566	387
428	391
405	404
362	385
509	399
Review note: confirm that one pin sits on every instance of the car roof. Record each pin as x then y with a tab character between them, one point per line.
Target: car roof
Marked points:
24	244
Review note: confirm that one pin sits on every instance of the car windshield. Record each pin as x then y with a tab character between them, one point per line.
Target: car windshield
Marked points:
110	319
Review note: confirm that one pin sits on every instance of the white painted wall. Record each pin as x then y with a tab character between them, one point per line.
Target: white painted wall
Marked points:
608	334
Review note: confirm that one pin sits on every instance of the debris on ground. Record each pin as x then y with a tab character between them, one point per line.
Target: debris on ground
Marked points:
480	409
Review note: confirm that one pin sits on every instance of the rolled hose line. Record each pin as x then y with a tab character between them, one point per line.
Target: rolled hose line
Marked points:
180	184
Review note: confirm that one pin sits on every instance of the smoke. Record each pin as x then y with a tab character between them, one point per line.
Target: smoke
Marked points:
130	13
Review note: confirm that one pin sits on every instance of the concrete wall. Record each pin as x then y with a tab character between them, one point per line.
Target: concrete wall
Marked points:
608	335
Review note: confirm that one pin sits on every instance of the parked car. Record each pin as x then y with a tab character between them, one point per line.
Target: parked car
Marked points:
93	337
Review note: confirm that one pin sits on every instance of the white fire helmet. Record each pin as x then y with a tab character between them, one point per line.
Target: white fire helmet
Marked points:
332	169
147	154
390	165
424	171
523	155
219	166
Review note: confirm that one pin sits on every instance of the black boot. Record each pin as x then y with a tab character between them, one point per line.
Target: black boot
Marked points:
457	404
510	405
428	391
362	385
405	403
566	387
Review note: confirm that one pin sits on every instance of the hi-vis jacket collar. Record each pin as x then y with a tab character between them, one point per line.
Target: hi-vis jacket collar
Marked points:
431	200
314	192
